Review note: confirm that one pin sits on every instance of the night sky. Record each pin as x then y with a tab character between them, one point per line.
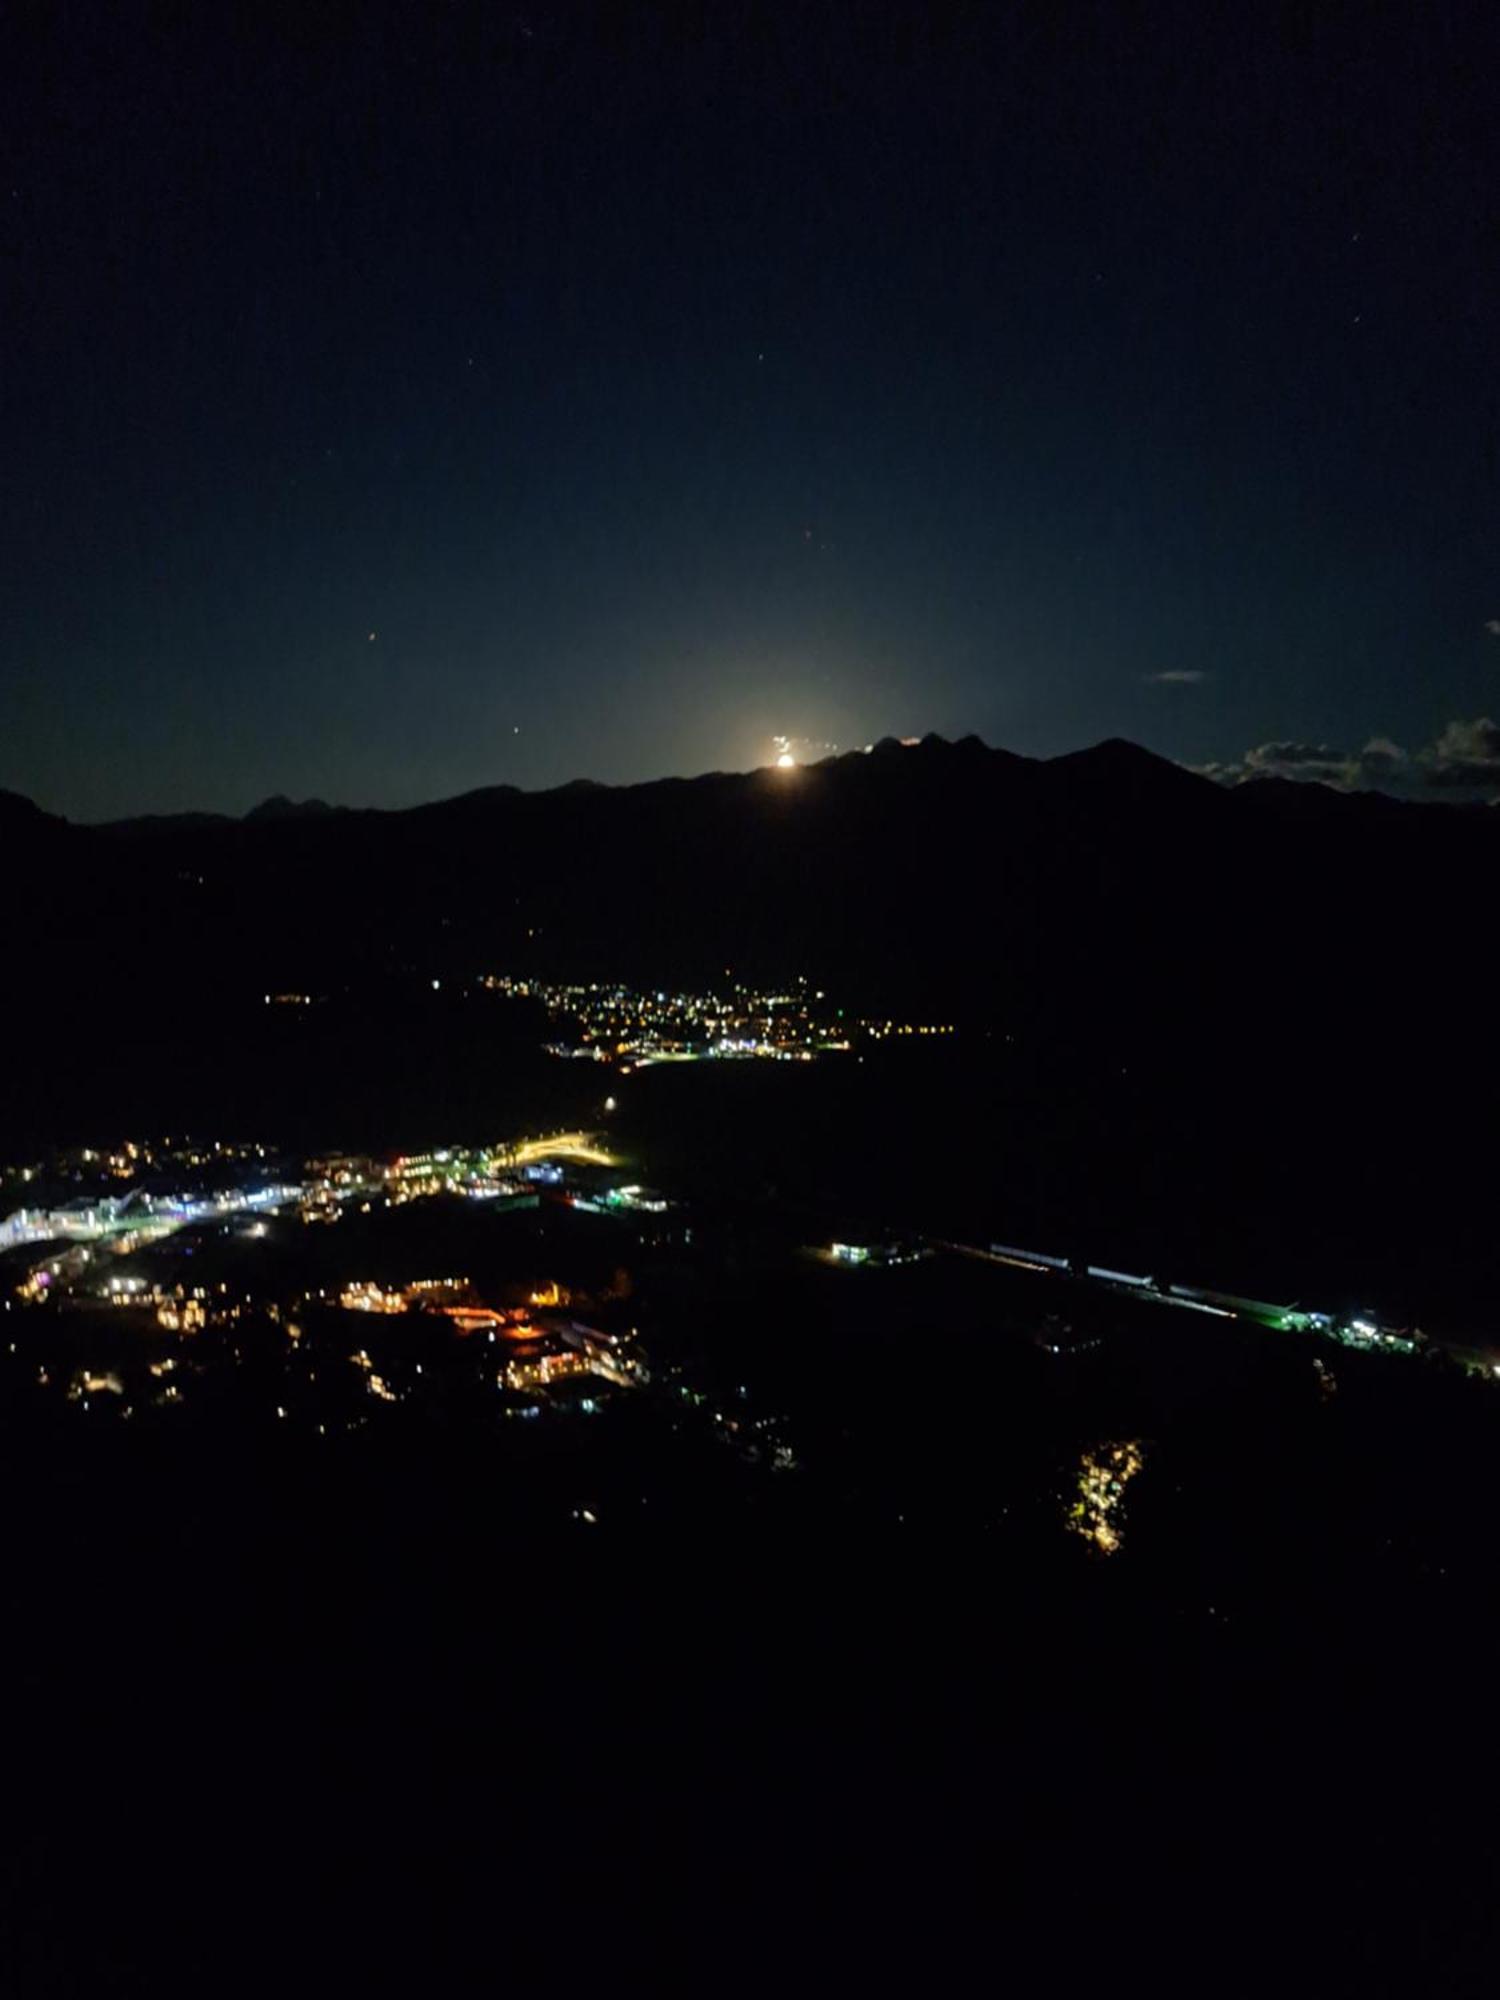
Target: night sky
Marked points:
466	395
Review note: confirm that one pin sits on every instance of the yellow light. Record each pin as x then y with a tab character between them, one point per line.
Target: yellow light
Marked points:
786	761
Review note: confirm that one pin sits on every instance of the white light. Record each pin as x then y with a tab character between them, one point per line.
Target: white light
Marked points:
786	761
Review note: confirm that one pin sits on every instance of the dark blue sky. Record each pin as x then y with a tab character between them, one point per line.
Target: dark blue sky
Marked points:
651	383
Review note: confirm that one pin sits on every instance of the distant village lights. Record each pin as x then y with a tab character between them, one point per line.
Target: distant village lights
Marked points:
633	1030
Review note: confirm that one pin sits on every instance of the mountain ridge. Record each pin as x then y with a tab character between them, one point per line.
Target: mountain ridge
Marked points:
1113	762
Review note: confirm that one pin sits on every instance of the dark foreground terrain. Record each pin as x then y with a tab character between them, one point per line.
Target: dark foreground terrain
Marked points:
444	1700
272	1729
440	1704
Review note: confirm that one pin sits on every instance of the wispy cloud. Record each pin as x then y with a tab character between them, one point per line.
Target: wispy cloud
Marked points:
1176	677
1492	626
1465	757
1315	761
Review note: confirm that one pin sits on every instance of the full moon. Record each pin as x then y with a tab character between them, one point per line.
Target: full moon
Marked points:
786	761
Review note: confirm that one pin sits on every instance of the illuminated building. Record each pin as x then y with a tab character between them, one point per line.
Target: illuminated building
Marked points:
557	1354
371	1298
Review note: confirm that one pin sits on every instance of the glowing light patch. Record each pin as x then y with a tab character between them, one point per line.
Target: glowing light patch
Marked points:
1097	1512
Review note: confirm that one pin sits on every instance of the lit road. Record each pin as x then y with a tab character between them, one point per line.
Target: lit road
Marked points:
1020	1260
1016	1262
582	1147
110	1221
1361	1332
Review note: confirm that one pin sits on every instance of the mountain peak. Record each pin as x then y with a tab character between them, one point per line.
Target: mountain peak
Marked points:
279	806
1120	761
1117	752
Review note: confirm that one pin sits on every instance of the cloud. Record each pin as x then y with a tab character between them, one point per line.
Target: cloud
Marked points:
1381	758
1314	762
1467	754
1307	763
1492	626
1465	757
1222	774
1176	677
